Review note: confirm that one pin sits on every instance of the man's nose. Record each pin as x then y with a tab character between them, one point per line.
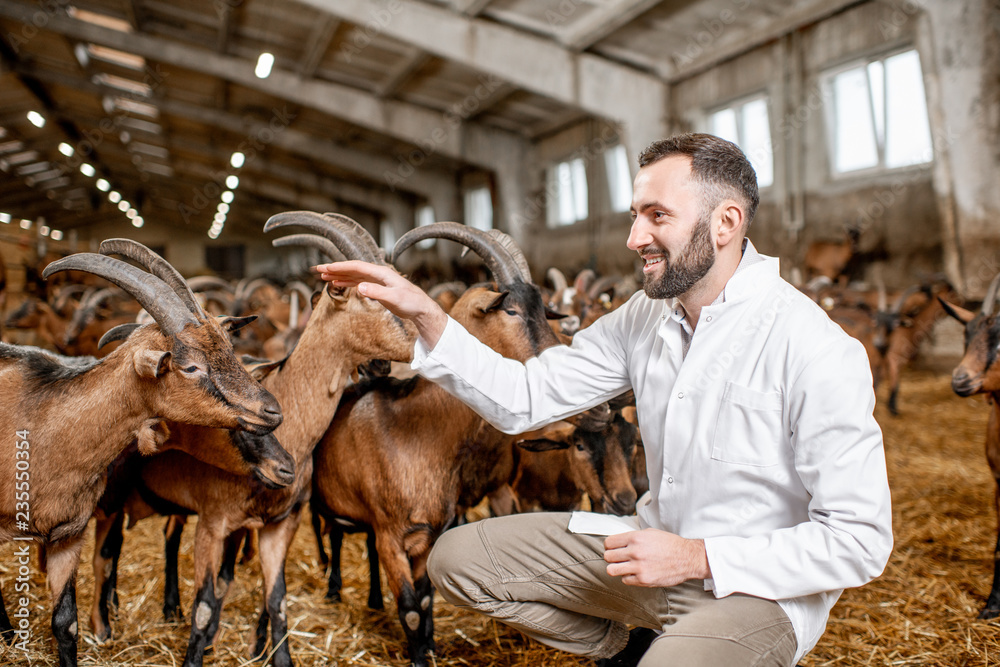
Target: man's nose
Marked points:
638	236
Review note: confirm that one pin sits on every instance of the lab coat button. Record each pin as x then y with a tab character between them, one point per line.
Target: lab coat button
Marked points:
670	480
708	319
680	394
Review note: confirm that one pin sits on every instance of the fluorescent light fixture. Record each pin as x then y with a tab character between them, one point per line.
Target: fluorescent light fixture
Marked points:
213	235
264	64
108	55
149	149
137	221
103	185
232	181
237	160
36	119
114	197
11	146
32	168
228	196
25	224
66	149
87	169
22	158
5	218
44	230
123	206
223	207
56	235
220	217
131	213
132	106
103	20
121	83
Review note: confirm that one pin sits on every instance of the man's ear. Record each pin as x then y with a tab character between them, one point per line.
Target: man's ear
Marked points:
151	364
730	226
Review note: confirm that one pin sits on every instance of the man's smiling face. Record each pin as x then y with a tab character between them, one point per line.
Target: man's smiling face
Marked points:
671	228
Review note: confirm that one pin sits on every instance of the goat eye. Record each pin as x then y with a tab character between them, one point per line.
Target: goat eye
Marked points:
512	313
190	369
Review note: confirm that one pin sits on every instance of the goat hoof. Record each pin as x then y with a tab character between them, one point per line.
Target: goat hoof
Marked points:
989	612
333	596
8	636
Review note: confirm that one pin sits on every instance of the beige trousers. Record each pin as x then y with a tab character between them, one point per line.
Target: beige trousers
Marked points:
531	573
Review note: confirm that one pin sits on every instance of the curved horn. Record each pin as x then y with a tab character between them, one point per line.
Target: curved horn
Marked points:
557	278
156	265
321	243
602	285
991	296
349	237
583	280
508	244
65	292
897	305
204	283
120	332
497	258
153	294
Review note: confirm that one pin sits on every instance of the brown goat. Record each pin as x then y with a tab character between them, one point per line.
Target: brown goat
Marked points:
181	369
405	457
979	373
830	258
344	330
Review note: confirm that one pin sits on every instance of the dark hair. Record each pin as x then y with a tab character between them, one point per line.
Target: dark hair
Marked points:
719	165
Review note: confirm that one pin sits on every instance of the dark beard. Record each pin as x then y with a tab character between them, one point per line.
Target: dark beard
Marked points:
690	266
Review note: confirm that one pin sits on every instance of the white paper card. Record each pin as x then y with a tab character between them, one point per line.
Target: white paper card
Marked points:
591	523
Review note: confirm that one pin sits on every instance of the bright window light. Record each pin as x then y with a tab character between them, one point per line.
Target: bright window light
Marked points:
264	64
137	221
65	149
87	169
223	208
213	234
103	185
232	181
114	197
479	209
387	234
36	119
425	216
745	123
228	196
237	160
619	178
56	235
5	218
124	206
567	190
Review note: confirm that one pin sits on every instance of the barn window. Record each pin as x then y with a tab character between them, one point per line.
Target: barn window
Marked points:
619	178
425	216
745	123
387	235
878	114
479	208
567	193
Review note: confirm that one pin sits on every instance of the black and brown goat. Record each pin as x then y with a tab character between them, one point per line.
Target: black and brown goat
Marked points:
344	330
406	457
979	373
74	416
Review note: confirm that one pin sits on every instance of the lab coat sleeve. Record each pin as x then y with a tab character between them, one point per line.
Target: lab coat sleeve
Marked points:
839	457
515	397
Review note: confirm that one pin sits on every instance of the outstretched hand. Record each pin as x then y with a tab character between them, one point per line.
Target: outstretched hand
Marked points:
396	293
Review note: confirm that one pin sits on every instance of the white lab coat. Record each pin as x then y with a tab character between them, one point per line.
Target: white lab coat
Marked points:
760	440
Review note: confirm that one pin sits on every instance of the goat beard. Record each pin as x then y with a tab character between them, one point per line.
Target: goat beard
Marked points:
691	265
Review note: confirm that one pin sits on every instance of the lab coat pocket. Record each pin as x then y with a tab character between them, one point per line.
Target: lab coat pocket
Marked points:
749	428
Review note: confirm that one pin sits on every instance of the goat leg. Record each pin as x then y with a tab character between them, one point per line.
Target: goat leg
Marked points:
375	581
228	570
63	560
206	607
172	531
992	608
275	538
336	544
317	526
108	538
6	629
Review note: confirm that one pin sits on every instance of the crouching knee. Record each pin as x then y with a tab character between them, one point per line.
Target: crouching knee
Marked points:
457	565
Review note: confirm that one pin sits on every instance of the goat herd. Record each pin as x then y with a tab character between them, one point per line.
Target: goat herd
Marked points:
151	413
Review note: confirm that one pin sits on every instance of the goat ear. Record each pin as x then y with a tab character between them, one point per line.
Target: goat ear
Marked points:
553	315
315	298
542	445
338	294
556	434
961	314
232	324
496	304
151	364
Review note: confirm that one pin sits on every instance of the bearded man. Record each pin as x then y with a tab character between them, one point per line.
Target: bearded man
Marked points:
767	473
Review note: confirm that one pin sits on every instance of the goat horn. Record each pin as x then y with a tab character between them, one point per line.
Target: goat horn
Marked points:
441	288
65	292
349	237
204	283
584	280
156	265
557	279
602	285
897	306
151	292
508	244
120	332
497	258
991	296
321	243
